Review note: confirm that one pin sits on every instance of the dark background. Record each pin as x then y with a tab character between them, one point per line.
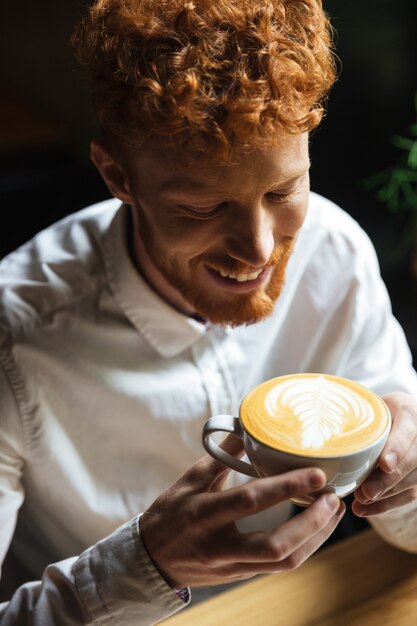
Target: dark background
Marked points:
46	123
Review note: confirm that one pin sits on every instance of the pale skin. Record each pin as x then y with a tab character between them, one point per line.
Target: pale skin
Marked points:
191	533
205	216
394	483
233	217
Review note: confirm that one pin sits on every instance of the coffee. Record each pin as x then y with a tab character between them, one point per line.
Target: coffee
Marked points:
314	415
306	420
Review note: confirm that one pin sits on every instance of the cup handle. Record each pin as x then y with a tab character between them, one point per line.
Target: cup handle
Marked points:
227	424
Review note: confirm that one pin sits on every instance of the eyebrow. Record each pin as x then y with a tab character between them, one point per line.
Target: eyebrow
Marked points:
291	179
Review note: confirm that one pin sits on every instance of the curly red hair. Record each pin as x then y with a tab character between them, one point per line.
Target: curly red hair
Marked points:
218	77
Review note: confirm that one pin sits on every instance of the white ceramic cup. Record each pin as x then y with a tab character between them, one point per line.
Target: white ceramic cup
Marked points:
345	472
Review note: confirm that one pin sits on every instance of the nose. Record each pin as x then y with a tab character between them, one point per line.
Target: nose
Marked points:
250	237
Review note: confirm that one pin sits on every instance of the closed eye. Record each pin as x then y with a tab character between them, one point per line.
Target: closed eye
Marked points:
282	197
203	212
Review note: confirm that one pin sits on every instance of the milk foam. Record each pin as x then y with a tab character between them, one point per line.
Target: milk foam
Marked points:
314	414
321	407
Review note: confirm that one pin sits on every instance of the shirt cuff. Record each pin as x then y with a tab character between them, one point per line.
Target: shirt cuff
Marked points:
183	594
398	527
118	583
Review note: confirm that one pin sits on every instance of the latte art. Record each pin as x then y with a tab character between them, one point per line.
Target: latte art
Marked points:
324	409
314	414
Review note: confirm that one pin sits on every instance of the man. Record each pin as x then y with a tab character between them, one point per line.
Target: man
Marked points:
124	327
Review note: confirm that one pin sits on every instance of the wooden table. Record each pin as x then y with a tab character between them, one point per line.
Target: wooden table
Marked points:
360	581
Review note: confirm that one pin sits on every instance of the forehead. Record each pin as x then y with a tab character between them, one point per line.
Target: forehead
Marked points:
161	166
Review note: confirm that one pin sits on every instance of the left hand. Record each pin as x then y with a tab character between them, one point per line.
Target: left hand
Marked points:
394	482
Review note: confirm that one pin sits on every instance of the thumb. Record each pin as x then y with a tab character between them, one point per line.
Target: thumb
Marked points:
234	446
208	474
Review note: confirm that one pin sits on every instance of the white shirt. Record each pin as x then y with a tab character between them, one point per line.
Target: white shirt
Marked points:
104	390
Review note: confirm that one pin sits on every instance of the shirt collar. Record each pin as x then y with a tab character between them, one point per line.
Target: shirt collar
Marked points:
166	329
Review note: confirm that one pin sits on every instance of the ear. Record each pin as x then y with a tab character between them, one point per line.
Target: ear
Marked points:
112	172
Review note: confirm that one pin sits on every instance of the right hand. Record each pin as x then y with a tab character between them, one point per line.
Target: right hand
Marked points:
191	535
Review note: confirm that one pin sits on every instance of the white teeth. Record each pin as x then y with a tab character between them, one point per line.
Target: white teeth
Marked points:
241	278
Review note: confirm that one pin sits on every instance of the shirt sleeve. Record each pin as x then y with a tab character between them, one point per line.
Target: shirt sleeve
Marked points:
378	355
398	527
379	358
11	465
112	582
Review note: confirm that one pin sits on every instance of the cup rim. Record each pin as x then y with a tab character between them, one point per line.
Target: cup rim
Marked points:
318	456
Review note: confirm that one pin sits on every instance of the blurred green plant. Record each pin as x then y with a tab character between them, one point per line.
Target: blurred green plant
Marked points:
396	187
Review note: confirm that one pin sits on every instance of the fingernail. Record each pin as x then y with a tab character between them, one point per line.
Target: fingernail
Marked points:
373	489
391	461
332	502
360	511
317	479
341	510
360	496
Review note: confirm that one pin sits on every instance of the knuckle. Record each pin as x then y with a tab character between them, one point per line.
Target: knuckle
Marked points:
317	522
247	499
193	473
276	550
293	561
198	470
293	485
192	514
319	519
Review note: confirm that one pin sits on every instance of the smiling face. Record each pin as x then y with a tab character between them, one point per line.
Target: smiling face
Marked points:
215	240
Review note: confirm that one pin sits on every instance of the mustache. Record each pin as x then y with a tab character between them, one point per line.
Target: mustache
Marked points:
280	252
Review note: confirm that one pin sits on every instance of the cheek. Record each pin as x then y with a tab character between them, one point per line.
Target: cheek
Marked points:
180	248
183	236
160	228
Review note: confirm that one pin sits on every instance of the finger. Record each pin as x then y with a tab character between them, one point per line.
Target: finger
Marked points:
408	482
387	504
379	483
298	556
207	470
403	433
279	544
232	504
311	546
234	446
